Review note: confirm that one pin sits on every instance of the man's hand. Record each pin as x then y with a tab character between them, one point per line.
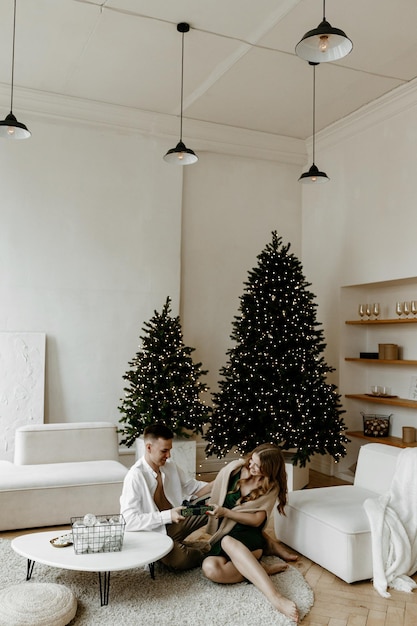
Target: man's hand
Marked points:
176	515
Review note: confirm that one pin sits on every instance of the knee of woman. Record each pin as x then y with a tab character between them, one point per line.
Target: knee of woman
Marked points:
209	568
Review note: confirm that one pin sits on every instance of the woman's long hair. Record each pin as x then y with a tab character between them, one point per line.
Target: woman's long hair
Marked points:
273	471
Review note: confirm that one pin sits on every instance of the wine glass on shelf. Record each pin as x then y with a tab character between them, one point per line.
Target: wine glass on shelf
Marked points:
368	311
414	307
399	308
376	310
361	310
406	309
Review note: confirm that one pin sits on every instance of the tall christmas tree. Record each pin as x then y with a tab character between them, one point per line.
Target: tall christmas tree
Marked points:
164	382
274	386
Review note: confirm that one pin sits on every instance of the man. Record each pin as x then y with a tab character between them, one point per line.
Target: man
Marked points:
153	491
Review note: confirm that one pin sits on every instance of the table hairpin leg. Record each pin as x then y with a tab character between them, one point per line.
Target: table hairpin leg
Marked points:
104	587
105	583
29	569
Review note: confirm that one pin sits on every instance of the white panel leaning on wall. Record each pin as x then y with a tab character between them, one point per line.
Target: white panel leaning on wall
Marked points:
22	385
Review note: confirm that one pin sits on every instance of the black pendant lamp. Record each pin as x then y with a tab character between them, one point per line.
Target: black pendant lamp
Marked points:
181	155
314	176
10	128
324	43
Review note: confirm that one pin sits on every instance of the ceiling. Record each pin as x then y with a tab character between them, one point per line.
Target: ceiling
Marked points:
240	68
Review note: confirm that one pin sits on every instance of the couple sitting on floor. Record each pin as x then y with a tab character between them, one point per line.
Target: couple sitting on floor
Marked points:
242	497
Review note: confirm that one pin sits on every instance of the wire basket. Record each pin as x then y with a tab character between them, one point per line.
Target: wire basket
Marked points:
375	425
97	533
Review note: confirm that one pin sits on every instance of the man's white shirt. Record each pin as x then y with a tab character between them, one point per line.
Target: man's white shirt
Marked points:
137	504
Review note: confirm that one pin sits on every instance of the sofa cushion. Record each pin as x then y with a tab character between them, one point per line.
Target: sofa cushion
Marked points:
65	442
15	477
339	508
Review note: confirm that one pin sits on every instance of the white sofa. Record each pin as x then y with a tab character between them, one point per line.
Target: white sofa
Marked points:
60	471
329	525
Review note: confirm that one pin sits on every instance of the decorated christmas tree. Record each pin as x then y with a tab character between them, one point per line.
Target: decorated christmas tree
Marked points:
163	383
274	386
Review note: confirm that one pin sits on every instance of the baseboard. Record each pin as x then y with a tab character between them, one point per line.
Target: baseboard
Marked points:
348	476
323	464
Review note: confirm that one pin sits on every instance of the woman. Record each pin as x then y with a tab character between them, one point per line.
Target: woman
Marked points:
248	490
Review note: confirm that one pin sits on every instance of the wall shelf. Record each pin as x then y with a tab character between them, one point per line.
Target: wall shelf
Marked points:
397	442
406	320
383	361
367	336
404	402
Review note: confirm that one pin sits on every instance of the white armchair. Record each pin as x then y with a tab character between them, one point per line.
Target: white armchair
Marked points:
329	525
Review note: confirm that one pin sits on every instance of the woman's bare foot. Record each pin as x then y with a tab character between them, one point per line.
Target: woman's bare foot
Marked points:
274	568
287	607
275	548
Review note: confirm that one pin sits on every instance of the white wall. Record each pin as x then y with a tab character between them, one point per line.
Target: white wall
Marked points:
89	246
231	206
361	226
97	230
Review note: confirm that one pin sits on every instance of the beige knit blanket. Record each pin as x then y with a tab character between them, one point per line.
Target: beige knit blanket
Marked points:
265	502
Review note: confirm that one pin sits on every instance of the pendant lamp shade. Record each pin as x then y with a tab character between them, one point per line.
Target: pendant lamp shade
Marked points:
10	128
314	175
181	155
324	43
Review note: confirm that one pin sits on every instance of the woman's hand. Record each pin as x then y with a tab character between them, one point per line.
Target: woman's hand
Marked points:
249	518
218	511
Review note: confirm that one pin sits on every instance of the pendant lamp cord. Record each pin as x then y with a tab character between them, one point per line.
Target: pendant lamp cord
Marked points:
314	112
14	34
182	81
324	10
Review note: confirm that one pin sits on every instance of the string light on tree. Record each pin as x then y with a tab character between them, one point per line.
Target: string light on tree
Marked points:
164	383
274	386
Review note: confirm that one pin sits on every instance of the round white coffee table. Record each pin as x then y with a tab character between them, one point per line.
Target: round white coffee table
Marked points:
139	548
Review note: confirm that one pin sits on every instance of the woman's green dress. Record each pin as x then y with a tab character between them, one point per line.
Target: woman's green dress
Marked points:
250	536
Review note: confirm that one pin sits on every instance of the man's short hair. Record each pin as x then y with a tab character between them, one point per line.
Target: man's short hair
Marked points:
158	431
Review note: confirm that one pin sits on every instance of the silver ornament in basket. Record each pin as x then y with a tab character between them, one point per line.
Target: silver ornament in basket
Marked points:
97	533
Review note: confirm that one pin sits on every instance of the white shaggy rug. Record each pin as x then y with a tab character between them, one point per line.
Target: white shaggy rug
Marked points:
185	598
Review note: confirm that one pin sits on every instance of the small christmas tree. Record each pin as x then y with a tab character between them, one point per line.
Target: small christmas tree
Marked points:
274	385
164	383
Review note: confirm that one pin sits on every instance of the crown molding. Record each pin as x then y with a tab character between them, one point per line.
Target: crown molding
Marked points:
204	136
398	101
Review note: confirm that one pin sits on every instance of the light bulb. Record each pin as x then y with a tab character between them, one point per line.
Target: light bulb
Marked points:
323	43
10	130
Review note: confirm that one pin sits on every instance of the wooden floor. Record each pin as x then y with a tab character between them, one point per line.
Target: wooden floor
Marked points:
337	603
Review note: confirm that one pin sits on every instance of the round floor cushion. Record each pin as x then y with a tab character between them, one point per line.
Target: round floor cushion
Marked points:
37	604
